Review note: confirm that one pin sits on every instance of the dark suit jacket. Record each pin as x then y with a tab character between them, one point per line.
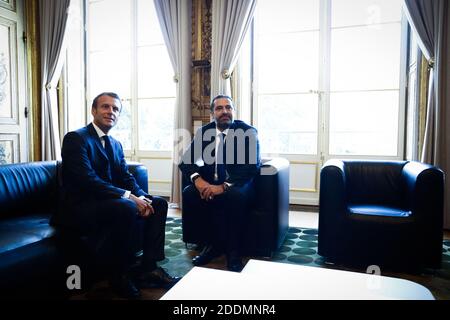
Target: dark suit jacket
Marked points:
246	156
87	173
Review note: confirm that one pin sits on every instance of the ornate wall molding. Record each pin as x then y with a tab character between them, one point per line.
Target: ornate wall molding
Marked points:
8	4
34	76
201	58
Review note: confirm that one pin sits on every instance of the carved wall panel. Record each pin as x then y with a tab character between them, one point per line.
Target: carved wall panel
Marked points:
201	60
8	4
8	81
9	148
5	72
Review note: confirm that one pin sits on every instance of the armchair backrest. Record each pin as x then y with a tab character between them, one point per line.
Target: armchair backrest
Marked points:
375	182
140	173
27	187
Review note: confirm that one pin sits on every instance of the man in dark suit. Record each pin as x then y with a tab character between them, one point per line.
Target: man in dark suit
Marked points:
104	198
221	163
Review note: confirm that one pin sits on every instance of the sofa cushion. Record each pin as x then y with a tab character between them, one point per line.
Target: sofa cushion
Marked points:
28	266
376	210
24	230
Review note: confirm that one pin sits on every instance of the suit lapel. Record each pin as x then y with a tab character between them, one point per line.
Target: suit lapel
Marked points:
97	141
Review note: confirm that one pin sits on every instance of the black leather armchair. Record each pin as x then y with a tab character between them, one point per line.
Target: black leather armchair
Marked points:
269	216
386	213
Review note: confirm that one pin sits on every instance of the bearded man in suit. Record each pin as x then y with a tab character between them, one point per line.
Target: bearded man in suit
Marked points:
221	163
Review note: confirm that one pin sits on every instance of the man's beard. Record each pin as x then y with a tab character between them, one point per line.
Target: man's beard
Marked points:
224	125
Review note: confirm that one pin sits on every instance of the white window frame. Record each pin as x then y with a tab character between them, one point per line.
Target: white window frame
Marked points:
156	161
323	124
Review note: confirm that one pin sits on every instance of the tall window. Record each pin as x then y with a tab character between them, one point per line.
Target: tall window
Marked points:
73	71
412	110
287	75
117	45
126	54
327	76
364	77
329	81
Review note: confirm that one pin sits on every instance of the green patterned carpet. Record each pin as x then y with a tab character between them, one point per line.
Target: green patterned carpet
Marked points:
299	247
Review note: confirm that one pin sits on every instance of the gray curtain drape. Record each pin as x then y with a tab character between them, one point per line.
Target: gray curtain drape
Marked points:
230	21
53	25
175	19
429	22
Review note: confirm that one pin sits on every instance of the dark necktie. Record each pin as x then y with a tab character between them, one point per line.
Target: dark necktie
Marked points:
109	150
221	158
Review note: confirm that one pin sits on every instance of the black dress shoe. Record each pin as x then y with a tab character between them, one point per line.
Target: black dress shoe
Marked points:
234	263
124	287
208	253
158	278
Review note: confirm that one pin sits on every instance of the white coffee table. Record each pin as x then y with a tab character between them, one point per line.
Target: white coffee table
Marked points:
263	280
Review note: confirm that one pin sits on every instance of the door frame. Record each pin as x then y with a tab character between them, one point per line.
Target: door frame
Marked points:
16	128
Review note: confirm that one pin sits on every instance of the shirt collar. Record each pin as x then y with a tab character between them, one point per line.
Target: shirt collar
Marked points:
98	130
225	132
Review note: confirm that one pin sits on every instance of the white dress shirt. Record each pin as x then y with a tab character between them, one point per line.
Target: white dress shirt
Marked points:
218	132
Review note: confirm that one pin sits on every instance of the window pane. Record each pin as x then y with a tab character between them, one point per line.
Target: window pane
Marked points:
364	12
110	71
156	124
364	123
127	55
244	74
411	114
363	75
413	49
122	131
288	123
365	58
109	24
75	89
149	31
287	15
155	73
288	62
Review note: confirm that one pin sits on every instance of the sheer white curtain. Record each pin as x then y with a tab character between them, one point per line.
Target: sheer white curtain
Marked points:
429	22
175	19
53	25
230	21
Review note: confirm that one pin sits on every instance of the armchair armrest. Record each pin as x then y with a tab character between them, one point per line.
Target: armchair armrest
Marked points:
140	173
424	189
332	188
425	196
271	166
271	206
332	205
272	180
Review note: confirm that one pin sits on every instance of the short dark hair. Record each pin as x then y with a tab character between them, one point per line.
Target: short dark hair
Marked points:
220	96
110	94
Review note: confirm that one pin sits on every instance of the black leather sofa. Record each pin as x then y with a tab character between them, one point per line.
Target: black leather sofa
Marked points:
33	254
385	213
269	216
